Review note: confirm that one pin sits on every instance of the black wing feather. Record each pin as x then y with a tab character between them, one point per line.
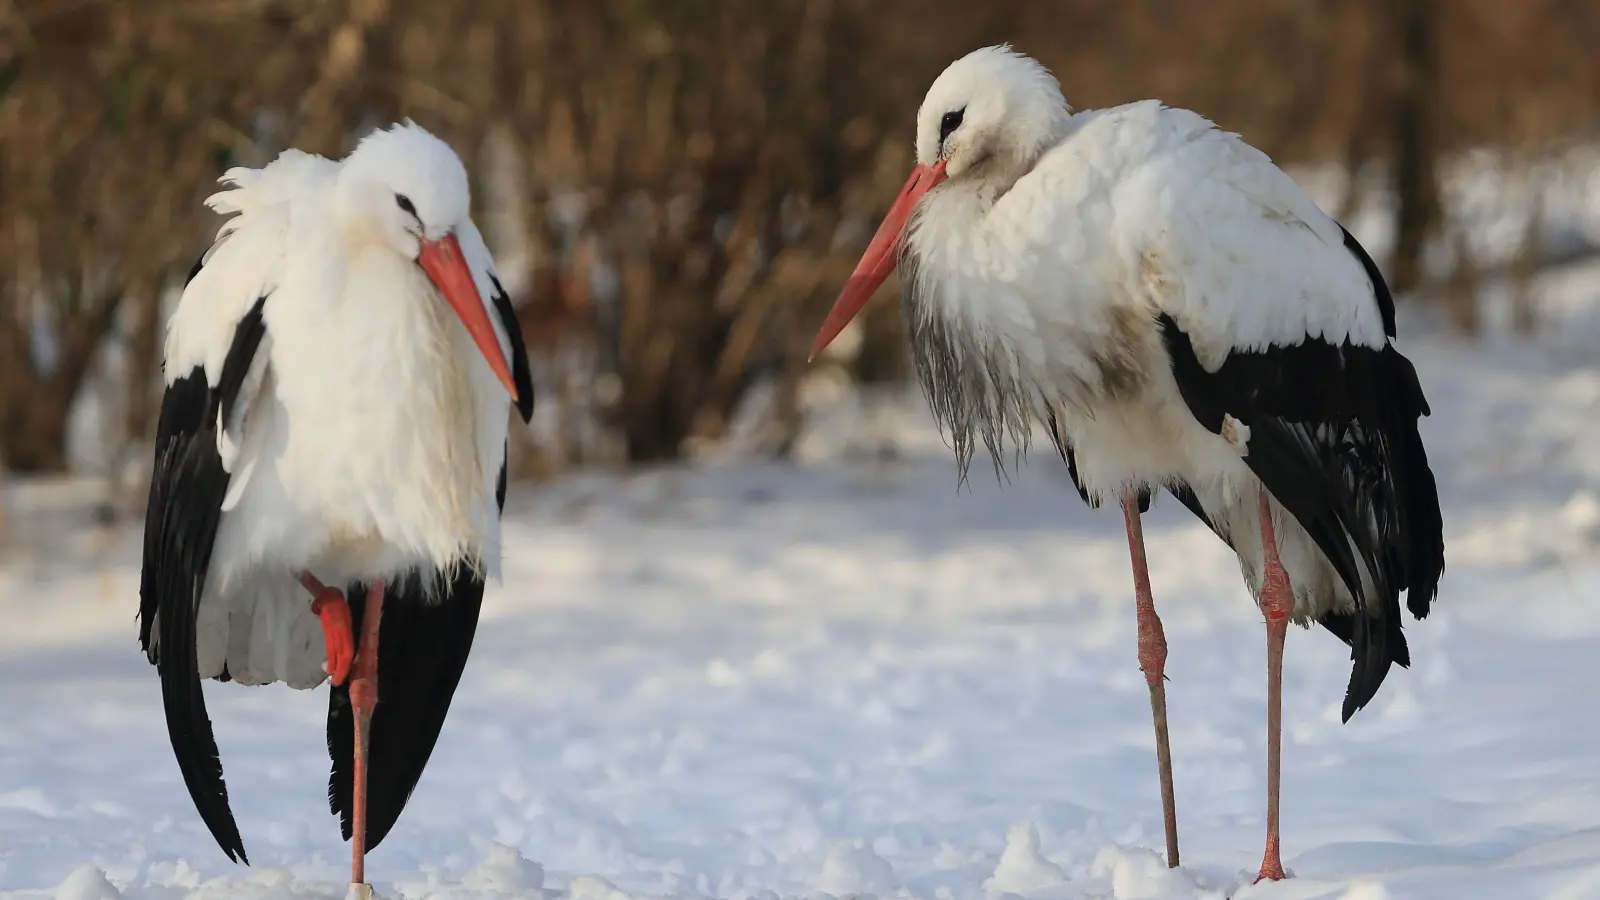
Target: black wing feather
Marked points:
236	365
424	651
1333	436
187	487
521	373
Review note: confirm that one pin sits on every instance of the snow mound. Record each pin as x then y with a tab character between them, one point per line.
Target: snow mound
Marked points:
505	872
1139	874
851	868
1022	870
87	883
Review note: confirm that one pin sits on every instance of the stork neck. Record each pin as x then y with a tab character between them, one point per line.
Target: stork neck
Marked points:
965	201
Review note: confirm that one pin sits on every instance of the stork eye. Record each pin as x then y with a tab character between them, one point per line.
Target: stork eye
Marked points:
950	122
404	203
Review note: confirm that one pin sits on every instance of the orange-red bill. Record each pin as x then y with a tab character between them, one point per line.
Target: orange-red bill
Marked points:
882	255
443	262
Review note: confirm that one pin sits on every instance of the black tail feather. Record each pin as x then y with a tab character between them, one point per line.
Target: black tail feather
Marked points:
1372	652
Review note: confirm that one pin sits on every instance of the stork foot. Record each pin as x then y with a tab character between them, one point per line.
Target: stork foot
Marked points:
1271	864
337	636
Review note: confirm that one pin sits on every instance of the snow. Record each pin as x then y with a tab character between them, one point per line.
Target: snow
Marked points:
846	677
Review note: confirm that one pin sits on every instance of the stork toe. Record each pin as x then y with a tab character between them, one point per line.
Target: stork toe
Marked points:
334	611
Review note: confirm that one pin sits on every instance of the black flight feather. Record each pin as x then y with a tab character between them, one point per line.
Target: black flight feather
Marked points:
187	486
1333	437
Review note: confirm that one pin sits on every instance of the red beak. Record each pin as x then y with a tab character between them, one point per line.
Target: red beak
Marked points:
443	262
882	255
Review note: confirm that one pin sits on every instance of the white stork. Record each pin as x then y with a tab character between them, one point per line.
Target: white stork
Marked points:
1179	315
338	376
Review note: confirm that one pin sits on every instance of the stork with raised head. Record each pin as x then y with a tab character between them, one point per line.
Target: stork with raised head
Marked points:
331	450
1179	315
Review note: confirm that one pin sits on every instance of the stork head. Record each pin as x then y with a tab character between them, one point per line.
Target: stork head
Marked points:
989	113
986	119
404	189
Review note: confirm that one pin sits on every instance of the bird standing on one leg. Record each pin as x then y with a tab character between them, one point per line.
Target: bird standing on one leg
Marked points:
330	464
1180	315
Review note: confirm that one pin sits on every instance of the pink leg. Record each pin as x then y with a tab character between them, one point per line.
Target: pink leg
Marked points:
1153	660
363	700
1277	602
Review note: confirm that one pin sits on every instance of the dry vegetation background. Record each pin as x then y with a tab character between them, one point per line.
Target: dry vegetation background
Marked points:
676	188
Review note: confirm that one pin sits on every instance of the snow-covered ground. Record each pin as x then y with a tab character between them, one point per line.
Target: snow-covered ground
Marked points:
847	677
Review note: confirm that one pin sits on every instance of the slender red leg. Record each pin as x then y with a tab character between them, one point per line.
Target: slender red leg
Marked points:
363	699
1277	602
1153	660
